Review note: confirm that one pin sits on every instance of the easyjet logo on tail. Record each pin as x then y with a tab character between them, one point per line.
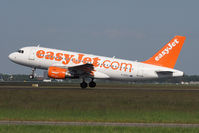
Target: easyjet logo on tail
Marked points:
167	50
168	55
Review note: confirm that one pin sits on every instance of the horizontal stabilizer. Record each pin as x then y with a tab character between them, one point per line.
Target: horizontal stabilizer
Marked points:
164	74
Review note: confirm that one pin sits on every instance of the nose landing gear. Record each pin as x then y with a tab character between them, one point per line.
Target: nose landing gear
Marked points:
32	75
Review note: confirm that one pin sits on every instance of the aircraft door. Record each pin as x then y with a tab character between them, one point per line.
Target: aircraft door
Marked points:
32	54
140	73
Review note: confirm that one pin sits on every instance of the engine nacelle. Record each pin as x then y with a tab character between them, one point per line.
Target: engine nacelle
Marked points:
58	73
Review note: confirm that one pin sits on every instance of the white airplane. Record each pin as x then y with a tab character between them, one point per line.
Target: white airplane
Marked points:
65	64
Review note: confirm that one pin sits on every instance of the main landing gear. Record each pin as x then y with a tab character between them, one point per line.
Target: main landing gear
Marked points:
32	75
84	85
92	84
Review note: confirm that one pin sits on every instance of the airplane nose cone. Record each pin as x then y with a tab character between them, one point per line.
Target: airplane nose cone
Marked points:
11	56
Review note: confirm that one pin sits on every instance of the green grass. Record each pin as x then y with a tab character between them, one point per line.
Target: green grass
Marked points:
100	116
92	129
140	104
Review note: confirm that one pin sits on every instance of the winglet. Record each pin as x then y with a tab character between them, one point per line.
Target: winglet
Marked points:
168	55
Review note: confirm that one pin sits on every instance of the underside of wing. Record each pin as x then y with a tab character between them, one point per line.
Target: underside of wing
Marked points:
84	70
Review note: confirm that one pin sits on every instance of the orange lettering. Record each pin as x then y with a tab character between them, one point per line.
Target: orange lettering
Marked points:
95	61
86	60
125	66
67	59
58	57
40	54
115	62
49	55
104	63
80	56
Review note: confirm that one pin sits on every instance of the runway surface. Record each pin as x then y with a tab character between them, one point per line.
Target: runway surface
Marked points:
103	88
97	124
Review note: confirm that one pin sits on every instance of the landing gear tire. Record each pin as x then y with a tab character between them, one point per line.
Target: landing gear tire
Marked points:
92	84
31	76
83	85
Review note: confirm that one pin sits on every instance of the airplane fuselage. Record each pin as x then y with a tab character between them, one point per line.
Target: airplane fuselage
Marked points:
105	67
65	64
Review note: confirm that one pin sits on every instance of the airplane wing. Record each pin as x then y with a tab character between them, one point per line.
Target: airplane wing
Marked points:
84	70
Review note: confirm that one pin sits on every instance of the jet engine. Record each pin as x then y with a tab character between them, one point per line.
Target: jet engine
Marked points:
58	73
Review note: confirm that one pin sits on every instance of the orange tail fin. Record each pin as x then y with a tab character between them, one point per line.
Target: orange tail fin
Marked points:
168	55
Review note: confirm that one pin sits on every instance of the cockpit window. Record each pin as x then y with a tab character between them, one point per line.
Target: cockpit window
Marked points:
20	51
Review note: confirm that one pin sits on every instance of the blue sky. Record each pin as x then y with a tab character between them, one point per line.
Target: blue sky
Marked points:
127	29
